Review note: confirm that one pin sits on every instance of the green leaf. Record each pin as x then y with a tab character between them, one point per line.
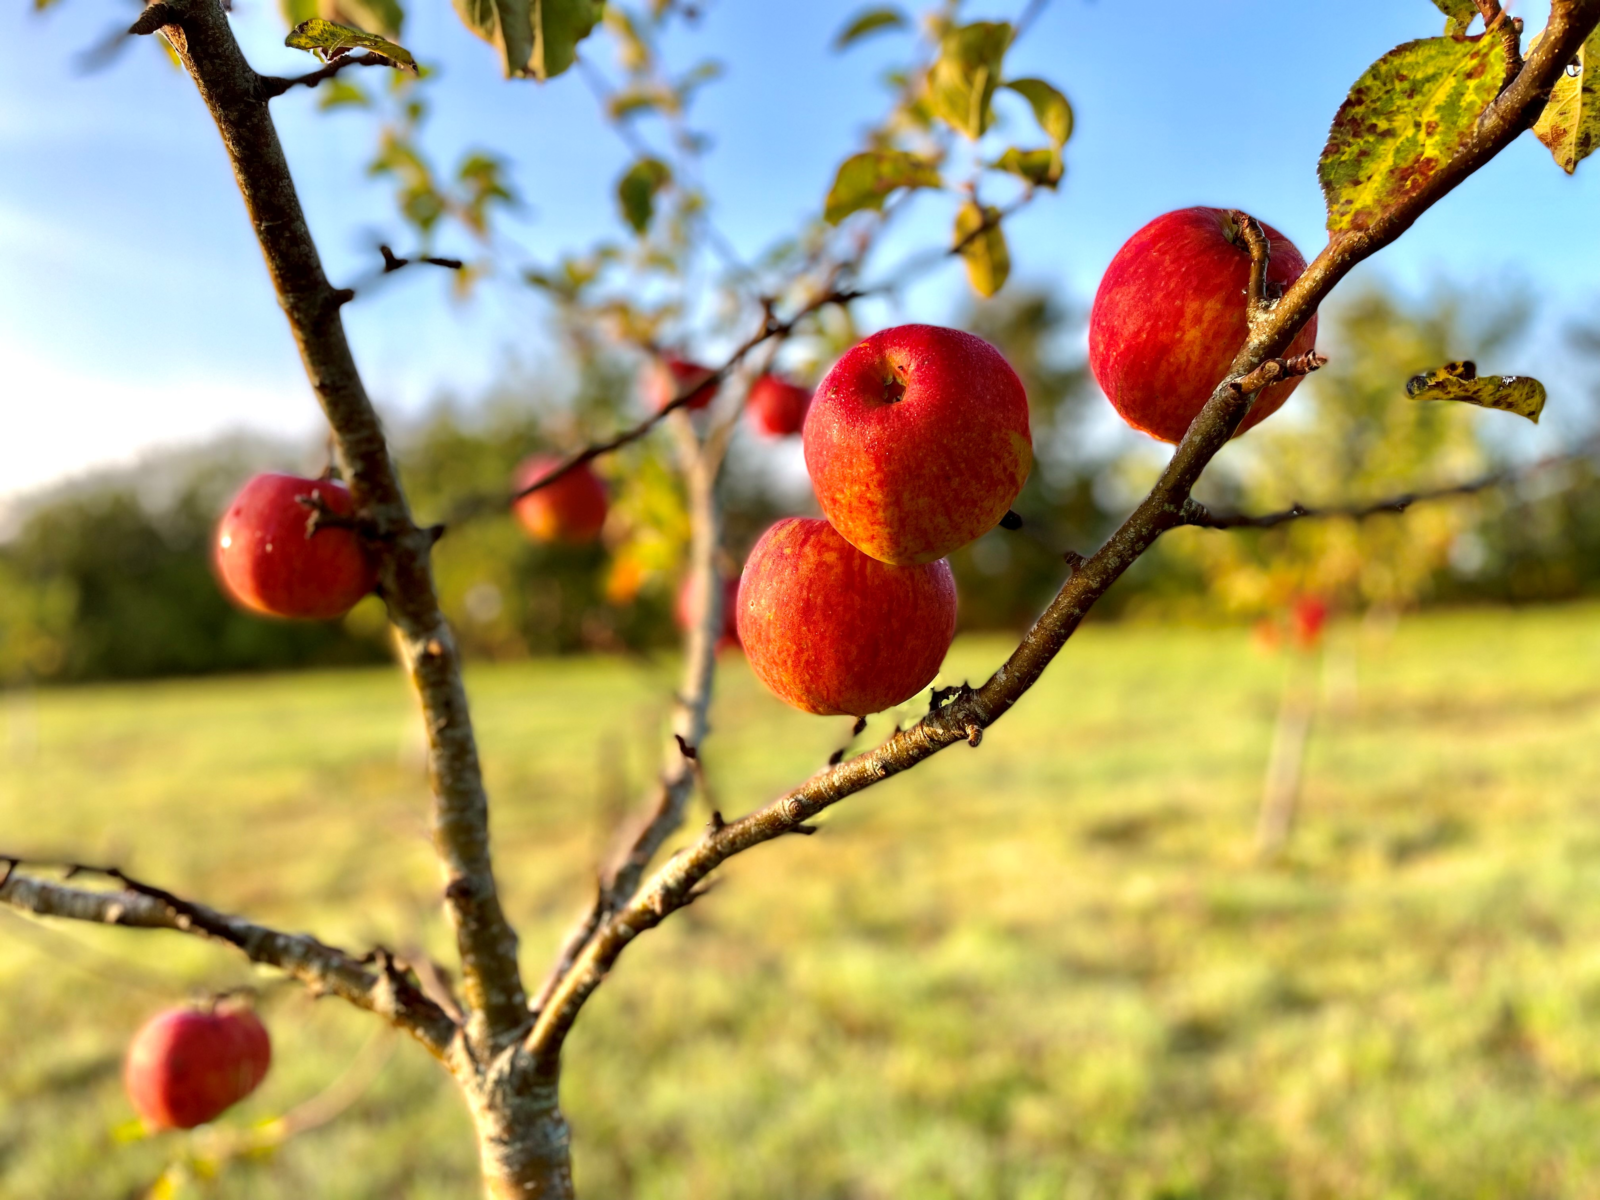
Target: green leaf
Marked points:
636	191
865	179
961	82
1050	108
1040	167
1460	381
329	41
867	22
988	260
1458	15
1570	124
558	27
535	37
1404	120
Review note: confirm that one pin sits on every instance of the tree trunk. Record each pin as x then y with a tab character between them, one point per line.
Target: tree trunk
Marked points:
523	1141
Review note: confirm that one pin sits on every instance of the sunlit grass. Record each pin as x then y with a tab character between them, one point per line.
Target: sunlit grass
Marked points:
1048	967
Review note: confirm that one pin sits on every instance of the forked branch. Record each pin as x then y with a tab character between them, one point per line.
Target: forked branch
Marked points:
237	98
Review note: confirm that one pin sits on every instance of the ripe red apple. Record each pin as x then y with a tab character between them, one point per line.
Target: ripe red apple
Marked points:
1170	316
684	610
571	510
670	375
777	407
186	1065
832	631
267	563
917	442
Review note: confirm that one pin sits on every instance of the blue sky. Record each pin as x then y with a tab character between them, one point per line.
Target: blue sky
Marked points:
135	311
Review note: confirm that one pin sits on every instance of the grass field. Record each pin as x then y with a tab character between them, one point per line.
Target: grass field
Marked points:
1049	967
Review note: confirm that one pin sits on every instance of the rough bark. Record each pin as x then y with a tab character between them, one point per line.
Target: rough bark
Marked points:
526	1141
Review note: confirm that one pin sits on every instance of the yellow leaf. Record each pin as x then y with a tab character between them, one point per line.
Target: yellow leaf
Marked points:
1461	382
1569	126
984	249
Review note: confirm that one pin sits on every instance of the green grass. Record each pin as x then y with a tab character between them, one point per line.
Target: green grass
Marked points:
1049	967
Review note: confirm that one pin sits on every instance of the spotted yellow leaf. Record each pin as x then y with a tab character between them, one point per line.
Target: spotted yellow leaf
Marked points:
1403	121
1570	124
1460	381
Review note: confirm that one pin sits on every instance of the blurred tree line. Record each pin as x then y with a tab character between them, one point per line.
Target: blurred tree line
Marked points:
110	578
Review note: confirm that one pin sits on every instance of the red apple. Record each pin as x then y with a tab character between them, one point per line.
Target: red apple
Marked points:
669	376
684	610
832	631
1170	316
778	407
186	1065
917	442
267	562
571	510
1306	619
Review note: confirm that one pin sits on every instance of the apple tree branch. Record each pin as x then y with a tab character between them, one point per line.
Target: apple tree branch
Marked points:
679	881
237	98
374	983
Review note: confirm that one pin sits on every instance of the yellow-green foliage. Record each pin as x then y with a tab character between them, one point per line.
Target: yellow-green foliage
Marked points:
1044	968
1351	436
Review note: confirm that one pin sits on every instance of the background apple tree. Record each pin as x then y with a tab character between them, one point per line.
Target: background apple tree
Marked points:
1294	519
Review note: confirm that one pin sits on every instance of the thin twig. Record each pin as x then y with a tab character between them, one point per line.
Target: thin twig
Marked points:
322	968
274	86
1196	514
770	328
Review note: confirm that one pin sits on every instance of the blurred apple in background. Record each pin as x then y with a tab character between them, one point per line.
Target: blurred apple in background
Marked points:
668	377
571	510
777	407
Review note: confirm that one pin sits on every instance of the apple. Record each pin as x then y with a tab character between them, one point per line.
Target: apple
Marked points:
777	407
186	1065
832	631
917	442
1170	316
269	564
668	376
571	510
1306	618
684	610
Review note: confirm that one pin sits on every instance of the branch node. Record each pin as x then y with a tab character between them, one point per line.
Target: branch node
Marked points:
716	824
974	735
802	829
684	748
1074	560
1275	369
